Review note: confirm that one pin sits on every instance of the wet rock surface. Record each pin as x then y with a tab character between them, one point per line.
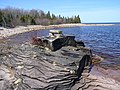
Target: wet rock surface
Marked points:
28	67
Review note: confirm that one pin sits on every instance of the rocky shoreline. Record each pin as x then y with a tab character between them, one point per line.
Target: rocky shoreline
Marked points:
98	78
103	79
25	66
6	32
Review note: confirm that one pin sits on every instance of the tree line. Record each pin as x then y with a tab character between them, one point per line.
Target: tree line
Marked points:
12	17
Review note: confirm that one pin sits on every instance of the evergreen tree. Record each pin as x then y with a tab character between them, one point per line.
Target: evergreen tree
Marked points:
23	19
48	15
33	21
12	17
1	17
78	19
53	16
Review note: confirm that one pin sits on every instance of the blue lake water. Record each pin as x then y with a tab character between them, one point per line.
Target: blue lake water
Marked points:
103	40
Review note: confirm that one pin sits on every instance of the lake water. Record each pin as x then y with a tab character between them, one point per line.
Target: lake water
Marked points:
103	40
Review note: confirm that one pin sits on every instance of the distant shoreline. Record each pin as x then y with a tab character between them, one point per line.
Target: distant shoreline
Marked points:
4	32
103	23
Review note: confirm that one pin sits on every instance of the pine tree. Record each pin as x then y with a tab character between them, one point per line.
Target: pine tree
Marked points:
11	17
33	21
78	19
1	15
53	16
48	15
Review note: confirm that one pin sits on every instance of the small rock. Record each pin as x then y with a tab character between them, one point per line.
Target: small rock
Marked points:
18	81
4	57
22	45
20	67
34	56
71	71
54	63
66	69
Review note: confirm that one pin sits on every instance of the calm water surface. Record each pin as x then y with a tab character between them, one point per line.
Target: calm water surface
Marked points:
103	40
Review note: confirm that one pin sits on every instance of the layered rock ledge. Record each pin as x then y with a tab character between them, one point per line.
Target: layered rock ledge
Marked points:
29	67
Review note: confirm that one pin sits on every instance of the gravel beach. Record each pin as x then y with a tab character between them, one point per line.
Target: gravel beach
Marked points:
6	32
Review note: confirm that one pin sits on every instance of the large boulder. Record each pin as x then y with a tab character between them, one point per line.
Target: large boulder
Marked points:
57	40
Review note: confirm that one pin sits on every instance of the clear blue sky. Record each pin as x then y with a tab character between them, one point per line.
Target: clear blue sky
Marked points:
89	10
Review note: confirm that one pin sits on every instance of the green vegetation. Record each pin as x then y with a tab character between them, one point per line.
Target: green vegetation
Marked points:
11	17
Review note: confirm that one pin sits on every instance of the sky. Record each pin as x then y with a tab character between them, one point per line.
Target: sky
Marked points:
90	11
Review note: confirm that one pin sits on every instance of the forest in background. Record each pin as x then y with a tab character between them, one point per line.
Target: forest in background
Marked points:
12	17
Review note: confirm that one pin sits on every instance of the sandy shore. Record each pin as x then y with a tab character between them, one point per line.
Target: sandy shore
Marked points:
4	32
